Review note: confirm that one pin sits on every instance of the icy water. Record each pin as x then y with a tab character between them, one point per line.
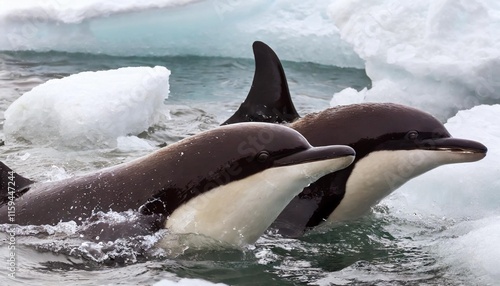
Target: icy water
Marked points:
379	249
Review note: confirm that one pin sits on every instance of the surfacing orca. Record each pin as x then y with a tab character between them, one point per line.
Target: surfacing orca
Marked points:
393	144
229	183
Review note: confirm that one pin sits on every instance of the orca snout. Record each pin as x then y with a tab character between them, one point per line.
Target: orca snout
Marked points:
467	150
315	154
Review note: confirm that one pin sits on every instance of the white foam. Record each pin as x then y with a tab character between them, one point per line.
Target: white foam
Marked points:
90	109
56	173
440	56
68	228
473	247
132	143
186	282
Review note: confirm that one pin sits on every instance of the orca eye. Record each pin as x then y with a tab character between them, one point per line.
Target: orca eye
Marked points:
262	156
412	135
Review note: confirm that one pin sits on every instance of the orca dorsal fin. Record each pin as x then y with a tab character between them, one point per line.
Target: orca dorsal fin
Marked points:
12	185
269	98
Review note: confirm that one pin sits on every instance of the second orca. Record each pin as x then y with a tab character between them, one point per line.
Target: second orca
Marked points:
393	144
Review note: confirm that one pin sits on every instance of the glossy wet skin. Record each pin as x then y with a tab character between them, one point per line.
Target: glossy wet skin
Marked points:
368	128
158	184
269	98
387	138
378	126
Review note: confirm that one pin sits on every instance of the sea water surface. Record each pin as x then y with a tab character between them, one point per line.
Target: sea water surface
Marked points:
379	249
440	229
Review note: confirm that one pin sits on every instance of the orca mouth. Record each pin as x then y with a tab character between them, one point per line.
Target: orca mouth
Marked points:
314	154
455	145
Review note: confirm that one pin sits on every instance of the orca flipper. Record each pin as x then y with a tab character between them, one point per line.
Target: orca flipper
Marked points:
12	185
269	98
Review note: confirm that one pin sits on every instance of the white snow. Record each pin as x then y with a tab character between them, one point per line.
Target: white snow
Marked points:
298	30
441	56
349	96
67	11
90	109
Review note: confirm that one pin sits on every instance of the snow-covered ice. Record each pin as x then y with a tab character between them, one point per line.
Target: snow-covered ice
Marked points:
299	30
440	56
90	109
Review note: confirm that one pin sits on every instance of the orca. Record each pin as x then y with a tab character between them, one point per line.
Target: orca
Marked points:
393	144
229	183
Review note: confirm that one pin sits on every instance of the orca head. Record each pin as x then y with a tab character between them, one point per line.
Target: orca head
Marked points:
269	97
393	143
245	174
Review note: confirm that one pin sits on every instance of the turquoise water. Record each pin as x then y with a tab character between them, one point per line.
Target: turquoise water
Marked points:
380	249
